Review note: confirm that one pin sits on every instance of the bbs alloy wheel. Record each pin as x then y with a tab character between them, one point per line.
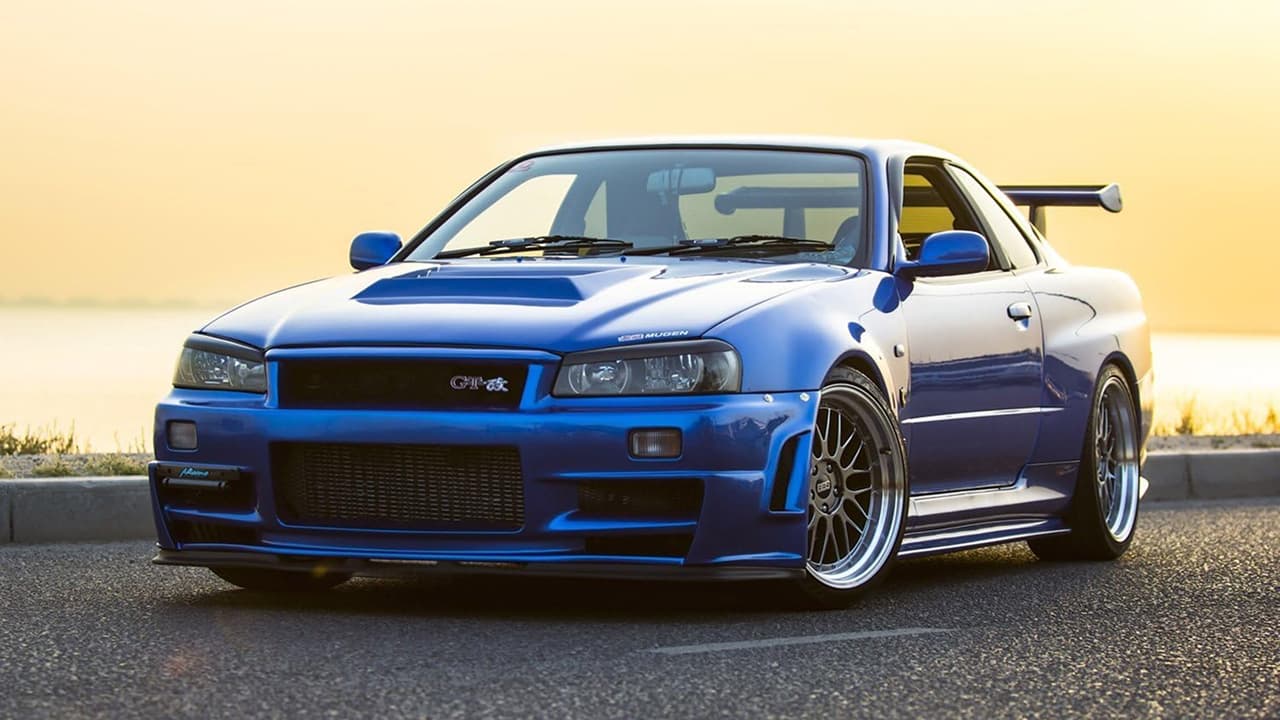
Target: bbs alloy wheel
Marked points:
857	490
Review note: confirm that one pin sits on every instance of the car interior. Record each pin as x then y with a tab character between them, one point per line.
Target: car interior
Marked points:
931	203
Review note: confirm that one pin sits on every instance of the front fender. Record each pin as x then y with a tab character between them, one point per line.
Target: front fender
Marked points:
792	342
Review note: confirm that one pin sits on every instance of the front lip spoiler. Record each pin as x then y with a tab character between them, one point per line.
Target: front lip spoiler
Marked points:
409	568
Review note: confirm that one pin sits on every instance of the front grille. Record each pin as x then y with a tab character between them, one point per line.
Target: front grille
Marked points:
419	487
400	383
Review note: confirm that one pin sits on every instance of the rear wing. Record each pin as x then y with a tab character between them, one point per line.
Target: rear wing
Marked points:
1038	197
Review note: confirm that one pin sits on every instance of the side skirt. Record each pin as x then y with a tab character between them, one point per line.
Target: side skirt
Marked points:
1032	507
992	533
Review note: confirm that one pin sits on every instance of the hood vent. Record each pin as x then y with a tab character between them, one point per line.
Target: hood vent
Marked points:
527	285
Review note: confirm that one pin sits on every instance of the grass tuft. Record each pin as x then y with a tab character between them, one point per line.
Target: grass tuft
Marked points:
54	467
1188	422
43	441
114	465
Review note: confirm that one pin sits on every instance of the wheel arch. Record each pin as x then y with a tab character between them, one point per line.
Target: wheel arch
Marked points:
859	360
1121	361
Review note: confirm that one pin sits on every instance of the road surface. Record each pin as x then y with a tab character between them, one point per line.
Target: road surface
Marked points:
1187	625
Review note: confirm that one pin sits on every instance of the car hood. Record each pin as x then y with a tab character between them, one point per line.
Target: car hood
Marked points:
561	305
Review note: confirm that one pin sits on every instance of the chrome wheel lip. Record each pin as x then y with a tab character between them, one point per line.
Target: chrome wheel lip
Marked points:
877	490
1116	466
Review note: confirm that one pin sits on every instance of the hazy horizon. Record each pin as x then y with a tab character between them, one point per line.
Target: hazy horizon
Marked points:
109	395
210	152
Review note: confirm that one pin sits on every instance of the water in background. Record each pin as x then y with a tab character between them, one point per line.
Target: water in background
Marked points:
1229	383
104	369
100	369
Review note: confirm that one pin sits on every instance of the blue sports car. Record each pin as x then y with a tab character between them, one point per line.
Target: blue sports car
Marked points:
762	358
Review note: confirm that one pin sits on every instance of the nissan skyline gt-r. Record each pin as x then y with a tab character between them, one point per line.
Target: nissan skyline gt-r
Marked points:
790	359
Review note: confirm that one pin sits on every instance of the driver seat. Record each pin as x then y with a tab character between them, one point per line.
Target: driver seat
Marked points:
845	239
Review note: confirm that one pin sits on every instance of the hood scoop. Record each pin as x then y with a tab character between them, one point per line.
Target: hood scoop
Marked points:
493	284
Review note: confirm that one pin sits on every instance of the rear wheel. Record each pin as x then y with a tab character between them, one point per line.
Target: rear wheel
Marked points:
1104	510
279	581
857	491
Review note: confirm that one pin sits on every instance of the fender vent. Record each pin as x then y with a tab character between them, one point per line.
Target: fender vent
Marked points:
782	475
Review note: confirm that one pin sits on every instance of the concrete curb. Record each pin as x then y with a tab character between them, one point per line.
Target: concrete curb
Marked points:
119	508
1212	474
75	509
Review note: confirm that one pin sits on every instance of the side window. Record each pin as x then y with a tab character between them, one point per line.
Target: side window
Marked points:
1011	240
930	204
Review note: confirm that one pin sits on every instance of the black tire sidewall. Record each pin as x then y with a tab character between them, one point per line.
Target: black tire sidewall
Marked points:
1089	524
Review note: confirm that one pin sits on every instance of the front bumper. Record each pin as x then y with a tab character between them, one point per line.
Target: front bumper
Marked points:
752	513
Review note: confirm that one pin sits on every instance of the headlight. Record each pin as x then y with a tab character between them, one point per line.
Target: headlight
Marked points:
698	366
211	364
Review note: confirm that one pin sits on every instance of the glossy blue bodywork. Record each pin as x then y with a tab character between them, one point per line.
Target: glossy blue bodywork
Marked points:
951	252
371	249
993	407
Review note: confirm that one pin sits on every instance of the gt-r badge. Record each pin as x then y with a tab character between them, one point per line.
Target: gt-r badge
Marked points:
658	335
475	382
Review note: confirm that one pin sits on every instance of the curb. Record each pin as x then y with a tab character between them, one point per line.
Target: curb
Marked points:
119	508
1212	474
75	509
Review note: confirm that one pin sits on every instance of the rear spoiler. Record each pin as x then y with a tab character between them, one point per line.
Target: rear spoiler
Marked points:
1038	197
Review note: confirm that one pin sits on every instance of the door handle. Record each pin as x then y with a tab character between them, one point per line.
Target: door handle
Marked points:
1020	311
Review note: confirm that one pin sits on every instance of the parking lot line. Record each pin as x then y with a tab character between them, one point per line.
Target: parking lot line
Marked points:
795	640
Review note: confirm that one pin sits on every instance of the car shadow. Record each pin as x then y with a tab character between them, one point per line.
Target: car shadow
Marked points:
912	583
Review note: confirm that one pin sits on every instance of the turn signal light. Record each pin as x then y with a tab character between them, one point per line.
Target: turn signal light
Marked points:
181	435
656	443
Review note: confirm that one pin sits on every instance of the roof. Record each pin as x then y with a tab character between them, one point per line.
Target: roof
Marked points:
870	147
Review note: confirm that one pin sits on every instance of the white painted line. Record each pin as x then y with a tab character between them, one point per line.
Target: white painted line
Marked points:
799	640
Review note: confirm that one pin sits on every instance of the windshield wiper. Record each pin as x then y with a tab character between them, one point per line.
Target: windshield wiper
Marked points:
752	243
537	242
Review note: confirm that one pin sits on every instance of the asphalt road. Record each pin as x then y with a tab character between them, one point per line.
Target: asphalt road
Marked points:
1186	625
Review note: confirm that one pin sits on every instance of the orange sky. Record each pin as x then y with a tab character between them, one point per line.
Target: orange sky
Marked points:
208	151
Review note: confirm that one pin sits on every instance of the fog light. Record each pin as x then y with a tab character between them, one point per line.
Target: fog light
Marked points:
655	443
181	435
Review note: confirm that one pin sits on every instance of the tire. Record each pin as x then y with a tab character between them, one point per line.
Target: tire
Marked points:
279	581
1104	506
858	492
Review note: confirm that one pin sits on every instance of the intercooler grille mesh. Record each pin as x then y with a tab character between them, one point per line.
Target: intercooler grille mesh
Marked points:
399	486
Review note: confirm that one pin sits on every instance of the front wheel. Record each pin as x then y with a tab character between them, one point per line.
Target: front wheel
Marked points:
1104	509
279	581
857	491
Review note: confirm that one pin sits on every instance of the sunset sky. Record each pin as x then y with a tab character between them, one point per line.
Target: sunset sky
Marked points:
205	152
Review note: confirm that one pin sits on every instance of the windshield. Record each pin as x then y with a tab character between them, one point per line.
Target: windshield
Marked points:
653	202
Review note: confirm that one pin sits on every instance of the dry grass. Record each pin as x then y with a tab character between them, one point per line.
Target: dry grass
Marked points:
41	441
114	464
53	467
1193	421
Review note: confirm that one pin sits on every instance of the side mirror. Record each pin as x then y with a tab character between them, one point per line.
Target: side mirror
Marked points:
950	252
371	249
